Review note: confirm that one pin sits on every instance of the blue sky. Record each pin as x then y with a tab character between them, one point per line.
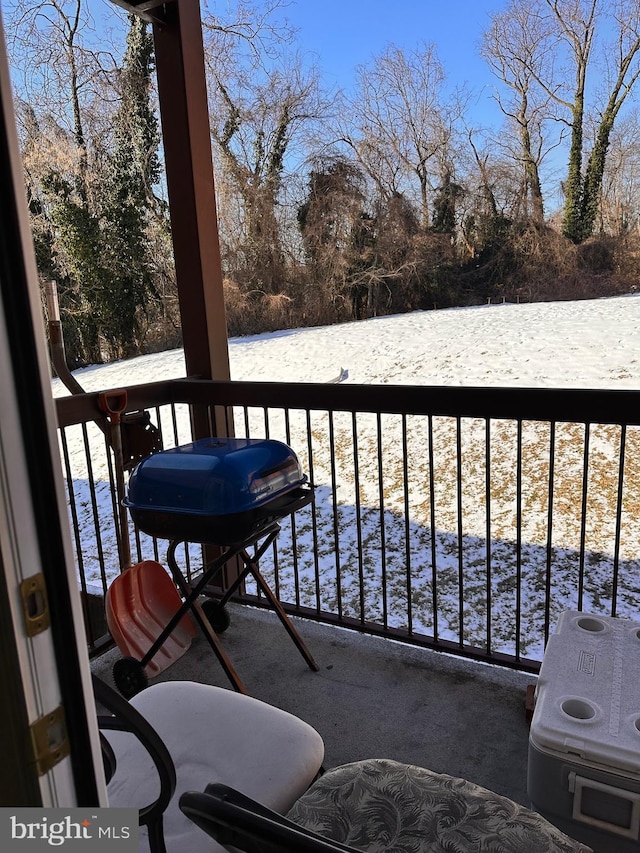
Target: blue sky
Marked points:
339	35
343	34
346	33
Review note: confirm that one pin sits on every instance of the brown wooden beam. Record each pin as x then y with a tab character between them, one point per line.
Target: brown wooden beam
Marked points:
190	181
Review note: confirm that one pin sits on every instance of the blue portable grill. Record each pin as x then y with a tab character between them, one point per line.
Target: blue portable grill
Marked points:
229	492
216	490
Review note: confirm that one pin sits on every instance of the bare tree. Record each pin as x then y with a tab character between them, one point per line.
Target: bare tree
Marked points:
397	124
619	211
257	123
492	182
562	62
250	34
576	22
515	44
625	70
57	70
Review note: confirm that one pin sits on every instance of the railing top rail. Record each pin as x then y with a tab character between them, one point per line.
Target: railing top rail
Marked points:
81	408
572	405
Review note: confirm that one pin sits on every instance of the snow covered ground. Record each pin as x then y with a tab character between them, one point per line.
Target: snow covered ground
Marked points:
585	344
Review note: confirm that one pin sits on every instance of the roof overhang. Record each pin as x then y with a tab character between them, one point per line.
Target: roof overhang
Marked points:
153	11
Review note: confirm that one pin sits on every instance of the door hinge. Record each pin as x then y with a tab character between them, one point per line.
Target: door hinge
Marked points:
49	740
35	605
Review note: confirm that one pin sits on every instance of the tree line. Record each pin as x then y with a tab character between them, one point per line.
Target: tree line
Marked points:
332	205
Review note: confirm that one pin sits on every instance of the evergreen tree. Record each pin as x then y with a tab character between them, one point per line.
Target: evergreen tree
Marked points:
74	259
127	200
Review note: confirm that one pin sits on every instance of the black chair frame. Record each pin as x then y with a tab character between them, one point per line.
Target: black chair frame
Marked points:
123	717
233	819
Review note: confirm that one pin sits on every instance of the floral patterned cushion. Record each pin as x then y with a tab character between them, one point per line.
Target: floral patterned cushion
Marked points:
382	806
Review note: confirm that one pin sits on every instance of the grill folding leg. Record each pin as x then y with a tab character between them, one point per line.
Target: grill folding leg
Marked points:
251	567
191	603
191	593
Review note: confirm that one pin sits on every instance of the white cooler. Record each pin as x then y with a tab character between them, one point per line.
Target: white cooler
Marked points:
584	745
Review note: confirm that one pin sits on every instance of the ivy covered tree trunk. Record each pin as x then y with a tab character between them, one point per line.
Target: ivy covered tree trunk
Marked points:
328	219
444	206
593	179
255	124
533	187
572	218
133	169
261	199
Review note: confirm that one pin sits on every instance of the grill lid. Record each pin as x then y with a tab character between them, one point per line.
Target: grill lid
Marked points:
214	476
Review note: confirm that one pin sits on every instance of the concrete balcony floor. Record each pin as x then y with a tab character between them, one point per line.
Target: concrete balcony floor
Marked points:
374	698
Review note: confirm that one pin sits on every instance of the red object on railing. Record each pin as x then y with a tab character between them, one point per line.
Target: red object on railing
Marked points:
113	403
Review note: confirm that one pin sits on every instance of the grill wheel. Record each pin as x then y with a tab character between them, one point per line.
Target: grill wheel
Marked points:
217	615
129	677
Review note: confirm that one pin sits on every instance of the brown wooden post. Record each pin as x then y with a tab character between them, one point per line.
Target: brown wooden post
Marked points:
184	114
186	135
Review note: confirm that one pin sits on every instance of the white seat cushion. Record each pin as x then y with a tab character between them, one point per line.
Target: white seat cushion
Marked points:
214	735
